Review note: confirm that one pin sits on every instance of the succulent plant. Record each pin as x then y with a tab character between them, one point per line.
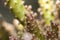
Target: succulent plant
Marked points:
18	9
47	7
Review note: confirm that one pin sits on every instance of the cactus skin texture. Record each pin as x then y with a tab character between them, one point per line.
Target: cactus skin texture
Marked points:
18	9
46	6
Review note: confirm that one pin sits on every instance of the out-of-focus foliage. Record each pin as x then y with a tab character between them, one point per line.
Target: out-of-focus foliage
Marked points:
3	34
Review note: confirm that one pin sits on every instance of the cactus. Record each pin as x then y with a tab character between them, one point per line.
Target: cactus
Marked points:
34	26
18	9
46	6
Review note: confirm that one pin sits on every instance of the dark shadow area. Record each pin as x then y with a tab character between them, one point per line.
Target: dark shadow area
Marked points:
34	4
5	12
